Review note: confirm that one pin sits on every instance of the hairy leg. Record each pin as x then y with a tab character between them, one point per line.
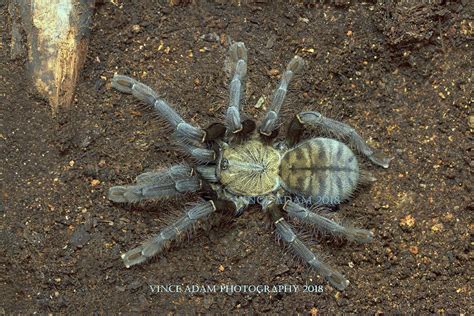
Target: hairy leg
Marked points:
202	155
354	234
183	130
158	243
285	232
153	185
315	119
208	173
269	123
238	62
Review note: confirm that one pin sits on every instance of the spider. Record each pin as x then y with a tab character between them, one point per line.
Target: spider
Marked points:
238	161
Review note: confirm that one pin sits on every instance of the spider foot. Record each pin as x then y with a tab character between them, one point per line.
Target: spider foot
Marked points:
359	235
381	160
337	280
133	257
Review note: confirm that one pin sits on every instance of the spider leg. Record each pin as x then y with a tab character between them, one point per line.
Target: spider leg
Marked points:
208	173
183	130
269	123
157	243
354	234
202	155
152	185
238	61
285	232
315	119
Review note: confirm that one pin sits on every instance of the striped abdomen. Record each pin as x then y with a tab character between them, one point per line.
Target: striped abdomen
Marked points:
321	168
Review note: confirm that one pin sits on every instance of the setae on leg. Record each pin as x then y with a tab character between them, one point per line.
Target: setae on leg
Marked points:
315	119
153	185
285	232
238	62
156	244
269	123
325	224
183	130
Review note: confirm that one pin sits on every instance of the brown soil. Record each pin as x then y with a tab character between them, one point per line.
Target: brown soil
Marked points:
401	75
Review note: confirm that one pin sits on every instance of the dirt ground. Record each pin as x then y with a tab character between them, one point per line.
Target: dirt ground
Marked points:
400	74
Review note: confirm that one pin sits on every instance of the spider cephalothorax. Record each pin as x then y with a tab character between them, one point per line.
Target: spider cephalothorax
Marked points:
236	162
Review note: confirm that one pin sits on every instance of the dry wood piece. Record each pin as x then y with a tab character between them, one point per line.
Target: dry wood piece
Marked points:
53	35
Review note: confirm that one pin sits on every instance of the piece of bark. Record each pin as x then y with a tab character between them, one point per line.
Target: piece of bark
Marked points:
53	35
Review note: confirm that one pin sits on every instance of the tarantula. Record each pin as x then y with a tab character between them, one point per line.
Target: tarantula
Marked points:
238	161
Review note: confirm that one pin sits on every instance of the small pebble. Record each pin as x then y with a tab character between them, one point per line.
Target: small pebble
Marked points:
260	102
270	42
136	28
305	20
211	37
414	250
102	163
273	72
407	221
448	217
437	227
